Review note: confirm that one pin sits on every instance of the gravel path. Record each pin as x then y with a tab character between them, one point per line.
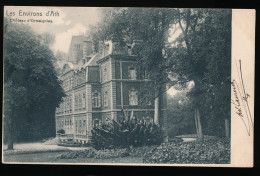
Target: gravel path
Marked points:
38	147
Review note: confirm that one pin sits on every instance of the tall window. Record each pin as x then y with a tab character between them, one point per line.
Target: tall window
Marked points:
84	101
146	98
76	102
132	73
80	101
70	103
96	102
104	74
133	97
105	97
146	74
77	46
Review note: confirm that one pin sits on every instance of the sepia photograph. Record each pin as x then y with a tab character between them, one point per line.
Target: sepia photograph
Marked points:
128	86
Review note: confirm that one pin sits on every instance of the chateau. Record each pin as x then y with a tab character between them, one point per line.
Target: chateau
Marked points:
99	85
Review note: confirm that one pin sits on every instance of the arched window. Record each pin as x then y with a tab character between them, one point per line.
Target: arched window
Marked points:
96	100
133	97
132	73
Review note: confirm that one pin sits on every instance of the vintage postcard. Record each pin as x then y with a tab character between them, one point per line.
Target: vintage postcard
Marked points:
128	86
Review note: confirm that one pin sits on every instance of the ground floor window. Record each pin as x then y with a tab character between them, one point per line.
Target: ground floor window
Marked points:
80	127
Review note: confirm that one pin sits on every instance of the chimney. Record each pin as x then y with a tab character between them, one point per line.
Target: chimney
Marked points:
100	46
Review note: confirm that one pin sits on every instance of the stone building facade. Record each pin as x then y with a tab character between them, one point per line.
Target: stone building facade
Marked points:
99	85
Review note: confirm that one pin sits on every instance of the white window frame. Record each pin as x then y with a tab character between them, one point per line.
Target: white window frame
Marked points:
105	99
133	97
132	73
96	100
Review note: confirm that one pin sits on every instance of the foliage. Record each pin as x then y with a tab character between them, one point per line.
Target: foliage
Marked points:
180	115
126	133
151	26
32	90
202	54
61	131
88	153
98	154
206	152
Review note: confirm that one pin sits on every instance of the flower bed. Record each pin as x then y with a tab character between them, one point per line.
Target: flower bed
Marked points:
206	152
98	154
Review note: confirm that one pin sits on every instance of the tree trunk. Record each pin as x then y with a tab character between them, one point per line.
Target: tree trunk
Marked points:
196	121
156	110
157	106
10	132
227	128
10	144
198	125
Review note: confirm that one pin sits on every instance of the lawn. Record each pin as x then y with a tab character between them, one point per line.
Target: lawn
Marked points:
51	157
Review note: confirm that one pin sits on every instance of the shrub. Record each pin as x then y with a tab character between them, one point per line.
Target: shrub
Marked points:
125	133
205	152
88	153
98	154
61	131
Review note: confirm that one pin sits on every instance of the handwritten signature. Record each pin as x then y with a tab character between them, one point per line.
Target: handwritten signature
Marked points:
241	100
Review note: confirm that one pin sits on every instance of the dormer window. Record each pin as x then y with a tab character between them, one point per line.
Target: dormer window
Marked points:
132	73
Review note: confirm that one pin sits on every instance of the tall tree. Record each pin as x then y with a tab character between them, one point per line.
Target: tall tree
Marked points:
202	55
32	90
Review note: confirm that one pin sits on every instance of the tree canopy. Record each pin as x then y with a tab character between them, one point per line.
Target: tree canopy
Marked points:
32	90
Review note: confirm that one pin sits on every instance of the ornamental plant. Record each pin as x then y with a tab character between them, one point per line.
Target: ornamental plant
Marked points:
126	133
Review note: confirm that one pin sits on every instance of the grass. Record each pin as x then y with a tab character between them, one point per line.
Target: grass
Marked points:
51	157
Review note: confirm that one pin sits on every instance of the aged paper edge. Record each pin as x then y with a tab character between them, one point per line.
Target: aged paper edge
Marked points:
243	48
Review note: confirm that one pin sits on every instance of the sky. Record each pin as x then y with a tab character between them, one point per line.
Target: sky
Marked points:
66	22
